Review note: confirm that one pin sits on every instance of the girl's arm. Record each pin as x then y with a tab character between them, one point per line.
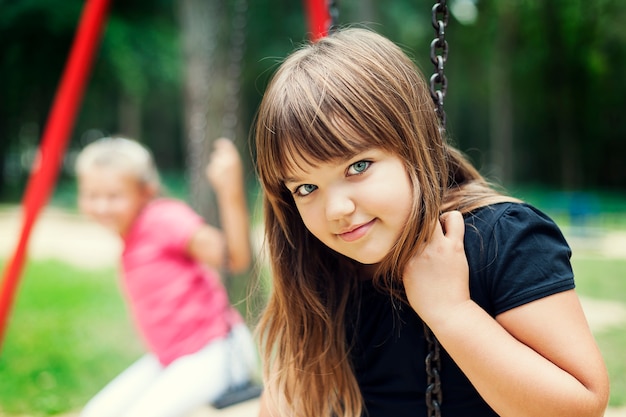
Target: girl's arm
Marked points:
232	243
539	359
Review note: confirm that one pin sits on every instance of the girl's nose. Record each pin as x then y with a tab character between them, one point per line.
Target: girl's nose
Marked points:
101	206
339	204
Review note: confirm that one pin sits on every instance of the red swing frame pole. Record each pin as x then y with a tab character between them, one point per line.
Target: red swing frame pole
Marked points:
54	141
319	19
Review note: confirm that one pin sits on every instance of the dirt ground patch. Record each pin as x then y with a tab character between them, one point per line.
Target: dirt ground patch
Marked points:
602	314
60	235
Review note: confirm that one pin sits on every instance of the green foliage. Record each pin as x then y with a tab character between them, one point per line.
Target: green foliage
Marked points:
141	52
68	336
561	61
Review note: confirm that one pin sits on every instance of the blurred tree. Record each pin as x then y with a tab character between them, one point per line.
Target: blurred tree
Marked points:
137	62
535	88
135	89
199	22
566	78
34	39
501	111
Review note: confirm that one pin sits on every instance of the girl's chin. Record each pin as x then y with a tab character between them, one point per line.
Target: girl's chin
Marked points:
110	226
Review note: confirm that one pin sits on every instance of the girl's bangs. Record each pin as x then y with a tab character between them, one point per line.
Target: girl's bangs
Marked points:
314	136
317	110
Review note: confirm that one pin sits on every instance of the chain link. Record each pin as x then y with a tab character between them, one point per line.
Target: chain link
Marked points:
439	56
434	395
438	89
230	117
199	94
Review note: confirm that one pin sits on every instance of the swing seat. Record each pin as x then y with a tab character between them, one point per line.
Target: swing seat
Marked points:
238	395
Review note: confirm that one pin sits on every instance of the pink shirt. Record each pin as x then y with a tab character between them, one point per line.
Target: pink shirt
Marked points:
179	305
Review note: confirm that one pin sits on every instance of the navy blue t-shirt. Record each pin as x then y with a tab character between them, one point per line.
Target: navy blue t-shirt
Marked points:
516	255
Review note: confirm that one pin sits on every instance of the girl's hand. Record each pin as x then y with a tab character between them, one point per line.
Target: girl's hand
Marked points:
225	169
225	173
518	355
437	279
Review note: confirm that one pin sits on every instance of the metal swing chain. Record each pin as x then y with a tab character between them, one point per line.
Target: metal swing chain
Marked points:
438	89
434	394
230	118
439	56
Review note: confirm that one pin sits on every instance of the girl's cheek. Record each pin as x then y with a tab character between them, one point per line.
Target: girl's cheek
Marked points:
85	206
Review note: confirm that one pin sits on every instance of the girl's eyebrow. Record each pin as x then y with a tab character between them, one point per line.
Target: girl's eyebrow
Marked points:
291	180
355	155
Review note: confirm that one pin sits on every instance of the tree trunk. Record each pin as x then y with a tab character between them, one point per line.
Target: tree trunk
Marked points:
130	115
200	22
562	67
500	98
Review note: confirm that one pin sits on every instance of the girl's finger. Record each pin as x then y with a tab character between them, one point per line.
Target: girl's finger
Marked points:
453	224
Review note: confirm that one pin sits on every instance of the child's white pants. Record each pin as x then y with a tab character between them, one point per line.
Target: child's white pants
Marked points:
147	389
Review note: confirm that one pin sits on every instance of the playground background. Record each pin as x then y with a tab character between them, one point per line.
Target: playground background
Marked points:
535	89
536	99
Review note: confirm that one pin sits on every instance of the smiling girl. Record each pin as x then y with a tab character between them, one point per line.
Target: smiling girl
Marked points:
198	345
375	227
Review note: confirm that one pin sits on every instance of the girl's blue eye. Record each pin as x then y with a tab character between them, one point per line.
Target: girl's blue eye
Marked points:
359	167
305	189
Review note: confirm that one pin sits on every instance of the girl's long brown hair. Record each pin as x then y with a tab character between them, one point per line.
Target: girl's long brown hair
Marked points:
349	92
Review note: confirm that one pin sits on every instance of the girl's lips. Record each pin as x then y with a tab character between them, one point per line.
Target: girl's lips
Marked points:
356	233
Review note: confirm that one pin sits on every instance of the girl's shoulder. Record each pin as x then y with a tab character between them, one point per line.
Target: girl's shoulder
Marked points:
512	227
166	222
516	254
163	208
162	213
507	216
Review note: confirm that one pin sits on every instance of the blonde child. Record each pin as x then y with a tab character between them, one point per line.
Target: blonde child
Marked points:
198	345
375	225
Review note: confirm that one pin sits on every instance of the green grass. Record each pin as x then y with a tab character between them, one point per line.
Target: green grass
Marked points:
612	343
67	336
603	278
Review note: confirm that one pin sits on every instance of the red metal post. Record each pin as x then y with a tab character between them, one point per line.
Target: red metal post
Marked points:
318	18
54	141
